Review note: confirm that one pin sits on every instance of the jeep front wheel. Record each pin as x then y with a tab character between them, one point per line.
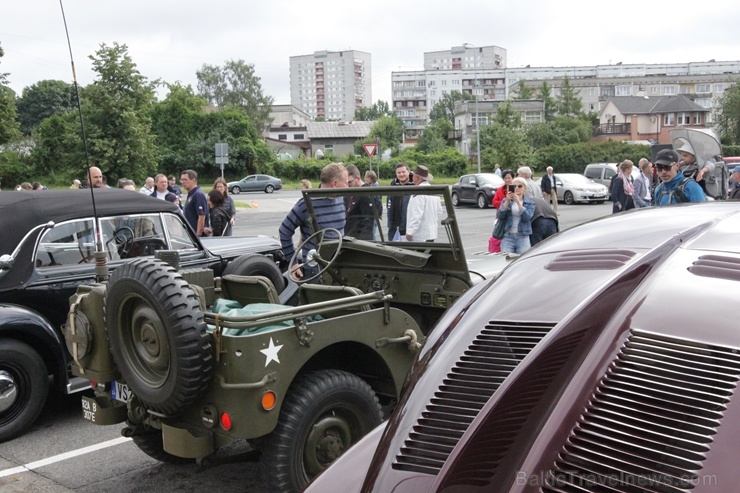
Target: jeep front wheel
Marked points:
23	387
157	335
323	415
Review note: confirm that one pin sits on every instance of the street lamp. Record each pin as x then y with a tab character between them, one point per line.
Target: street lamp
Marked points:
475	84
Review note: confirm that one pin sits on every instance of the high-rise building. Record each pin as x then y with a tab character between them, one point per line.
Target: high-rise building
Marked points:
331	84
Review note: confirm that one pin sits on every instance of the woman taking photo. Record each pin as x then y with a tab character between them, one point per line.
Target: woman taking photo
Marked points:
517	211
508	176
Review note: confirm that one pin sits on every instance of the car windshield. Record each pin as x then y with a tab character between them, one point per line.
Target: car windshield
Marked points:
490	180
368	210
578	179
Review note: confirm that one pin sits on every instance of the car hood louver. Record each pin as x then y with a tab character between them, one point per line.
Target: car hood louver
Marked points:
717	266
651	420
590	260
481	369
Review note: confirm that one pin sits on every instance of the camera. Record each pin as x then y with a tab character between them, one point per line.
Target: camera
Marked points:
511	188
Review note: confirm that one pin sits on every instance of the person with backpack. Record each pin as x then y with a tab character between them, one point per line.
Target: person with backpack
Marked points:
674	188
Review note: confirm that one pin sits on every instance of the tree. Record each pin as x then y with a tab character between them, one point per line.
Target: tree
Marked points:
727	117
177	121
434	138
8	119
545	94
117	109
504	141
559	131
389	132
568	101
524	92
42	100
374	112
445	107
235	84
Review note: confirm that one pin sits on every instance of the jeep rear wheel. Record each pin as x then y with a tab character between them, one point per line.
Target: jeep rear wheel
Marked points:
157	335
253	264
24	386
323	415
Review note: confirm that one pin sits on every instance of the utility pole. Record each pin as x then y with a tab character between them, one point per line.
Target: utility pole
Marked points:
475	93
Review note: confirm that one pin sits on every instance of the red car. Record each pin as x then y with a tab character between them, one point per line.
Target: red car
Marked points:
606	358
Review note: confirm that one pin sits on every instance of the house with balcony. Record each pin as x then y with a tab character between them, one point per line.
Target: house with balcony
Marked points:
648	118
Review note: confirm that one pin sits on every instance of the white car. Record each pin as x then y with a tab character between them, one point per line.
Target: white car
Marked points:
573	188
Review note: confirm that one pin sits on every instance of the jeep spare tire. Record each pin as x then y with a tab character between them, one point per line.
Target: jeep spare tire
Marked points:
157	335
253	264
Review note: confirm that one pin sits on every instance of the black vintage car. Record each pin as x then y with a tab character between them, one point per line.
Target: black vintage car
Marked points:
46	251
606	358
477	189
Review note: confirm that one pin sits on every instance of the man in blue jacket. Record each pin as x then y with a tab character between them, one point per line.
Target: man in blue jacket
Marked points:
675	187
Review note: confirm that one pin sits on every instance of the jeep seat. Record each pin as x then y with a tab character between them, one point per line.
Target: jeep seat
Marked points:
249	289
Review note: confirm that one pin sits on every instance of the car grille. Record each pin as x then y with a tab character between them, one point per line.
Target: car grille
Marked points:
591	260
481	369
717	266
651	420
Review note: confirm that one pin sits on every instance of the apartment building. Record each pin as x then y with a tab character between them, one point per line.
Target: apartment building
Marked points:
483	72
331	84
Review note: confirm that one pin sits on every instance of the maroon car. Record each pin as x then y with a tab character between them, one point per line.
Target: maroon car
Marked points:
604	359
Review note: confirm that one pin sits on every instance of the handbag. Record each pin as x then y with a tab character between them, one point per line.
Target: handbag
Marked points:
499	229
494	245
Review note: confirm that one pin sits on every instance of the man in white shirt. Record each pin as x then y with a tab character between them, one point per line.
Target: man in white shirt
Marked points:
422	214
148	187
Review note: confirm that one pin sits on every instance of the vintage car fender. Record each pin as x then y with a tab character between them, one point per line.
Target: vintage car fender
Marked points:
17	322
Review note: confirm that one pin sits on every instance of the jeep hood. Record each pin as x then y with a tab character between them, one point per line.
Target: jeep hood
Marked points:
229	247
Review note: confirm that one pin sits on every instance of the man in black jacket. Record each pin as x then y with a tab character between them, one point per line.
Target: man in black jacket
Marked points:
549	189
397	204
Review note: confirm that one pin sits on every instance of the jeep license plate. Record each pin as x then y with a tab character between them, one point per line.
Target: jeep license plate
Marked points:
120	391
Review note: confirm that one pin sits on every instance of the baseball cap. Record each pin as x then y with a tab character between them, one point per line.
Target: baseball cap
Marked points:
736	169
666	156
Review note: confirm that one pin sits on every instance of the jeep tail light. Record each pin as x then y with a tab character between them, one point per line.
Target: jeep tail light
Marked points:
268	400
226	421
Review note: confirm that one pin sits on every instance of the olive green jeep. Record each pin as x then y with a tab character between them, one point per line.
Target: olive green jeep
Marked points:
192	363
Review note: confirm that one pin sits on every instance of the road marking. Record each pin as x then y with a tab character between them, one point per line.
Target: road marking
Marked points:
66	455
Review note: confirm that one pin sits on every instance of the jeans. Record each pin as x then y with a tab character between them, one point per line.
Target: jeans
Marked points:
515	243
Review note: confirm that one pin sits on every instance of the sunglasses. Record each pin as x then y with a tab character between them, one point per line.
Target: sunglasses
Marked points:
663	167
520	186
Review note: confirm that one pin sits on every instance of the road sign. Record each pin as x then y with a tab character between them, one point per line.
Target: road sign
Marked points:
222	150
370	149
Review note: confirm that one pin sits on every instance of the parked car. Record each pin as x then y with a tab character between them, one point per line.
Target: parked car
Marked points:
48	250
613	384
574	188
604	172
255	183
478	189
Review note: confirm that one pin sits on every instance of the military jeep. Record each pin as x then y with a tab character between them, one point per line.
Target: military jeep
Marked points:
192	362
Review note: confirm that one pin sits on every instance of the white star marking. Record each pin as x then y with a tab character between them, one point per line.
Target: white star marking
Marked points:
271	353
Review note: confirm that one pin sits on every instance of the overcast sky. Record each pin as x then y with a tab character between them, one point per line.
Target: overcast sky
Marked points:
172	39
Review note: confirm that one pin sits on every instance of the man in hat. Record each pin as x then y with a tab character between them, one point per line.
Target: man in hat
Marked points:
675	187
422	215
735	190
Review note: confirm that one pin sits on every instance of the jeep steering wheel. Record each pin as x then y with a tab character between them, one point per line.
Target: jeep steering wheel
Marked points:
314	256
124	240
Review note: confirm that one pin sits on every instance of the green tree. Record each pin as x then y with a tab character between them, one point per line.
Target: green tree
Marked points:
558	131
568	100
42	100
727	118
524	92
235	84
444	108
545	94
504	141
435	136
8	118
388	130
374	112
58	152
117	109
177	121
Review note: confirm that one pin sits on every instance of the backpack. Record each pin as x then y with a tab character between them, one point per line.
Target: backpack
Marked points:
678	192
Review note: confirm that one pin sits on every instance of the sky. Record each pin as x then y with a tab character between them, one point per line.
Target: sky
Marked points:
171	40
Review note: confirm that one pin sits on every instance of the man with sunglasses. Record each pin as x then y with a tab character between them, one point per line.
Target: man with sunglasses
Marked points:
675	187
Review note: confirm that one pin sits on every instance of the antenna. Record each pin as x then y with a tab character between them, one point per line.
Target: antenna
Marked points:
101	269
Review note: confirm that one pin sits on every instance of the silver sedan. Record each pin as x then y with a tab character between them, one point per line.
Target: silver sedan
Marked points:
574	188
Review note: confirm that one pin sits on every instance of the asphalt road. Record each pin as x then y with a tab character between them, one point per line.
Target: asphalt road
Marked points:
63	453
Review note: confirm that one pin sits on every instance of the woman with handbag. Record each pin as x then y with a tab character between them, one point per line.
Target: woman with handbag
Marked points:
516	213
622	188
220	217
